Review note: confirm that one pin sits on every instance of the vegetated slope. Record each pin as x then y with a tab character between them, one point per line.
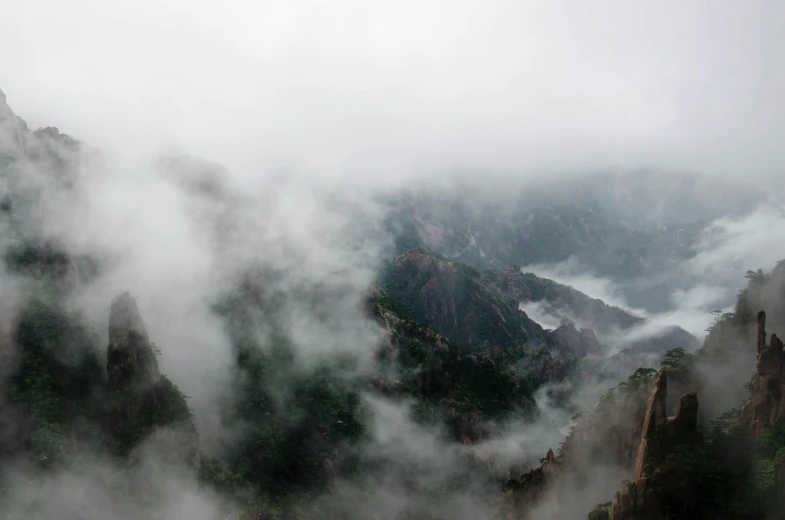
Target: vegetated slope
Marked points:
300	433
297	431
569	305
681	460
631	227
620	224
452	298
481	309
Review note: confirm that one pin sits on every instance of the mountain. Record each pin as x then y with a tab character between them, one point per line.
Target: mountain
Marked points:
632	228
679	455
429	395
620	224
484	308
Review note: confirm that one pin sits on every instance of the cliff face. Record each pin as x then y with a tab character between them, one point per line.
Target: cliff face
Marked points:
577	343
145	406
638	499
568	305
483	309
451	298
604	440
467	388
519	287
767	388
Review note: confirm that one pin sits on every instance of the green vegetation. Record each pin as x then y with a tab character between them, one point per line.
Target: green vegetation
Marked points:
600	512
58	380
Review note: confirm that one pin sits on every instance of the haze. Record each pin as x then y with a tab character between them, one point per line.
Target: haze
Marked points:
372	89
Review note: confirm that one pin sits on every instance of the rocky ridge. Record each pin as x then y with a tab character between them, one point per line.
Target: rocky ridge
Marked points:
637	499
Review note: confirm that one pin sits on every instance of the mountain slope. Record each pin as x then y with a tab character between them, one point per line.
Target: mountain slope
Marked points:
483	309
685	460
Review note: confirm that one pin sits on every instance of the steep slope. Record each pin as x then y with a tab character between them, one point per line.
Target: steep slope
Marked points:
569	305
144	406
483	309
453	300
471	389
458	353
678	460
623	224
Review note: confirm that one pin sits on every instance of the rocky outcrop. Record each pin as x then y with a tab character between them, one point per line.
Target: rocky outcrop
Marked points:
452	299
568	305
518	287
653	423
608	436
767	387
146	410
468	387
638	499
578	343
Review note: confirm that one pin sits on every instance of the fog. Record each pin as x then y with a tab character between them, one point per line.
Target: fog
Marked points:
709	280
381	90
315	109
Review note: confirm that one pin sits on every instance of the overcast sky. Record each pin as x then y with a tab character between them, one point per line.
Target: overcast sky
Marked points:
400	86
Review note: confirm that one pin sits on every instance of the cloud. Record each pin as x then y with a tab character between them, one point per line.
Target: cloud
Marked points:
317	107
385	89
97	490
732	246
180	244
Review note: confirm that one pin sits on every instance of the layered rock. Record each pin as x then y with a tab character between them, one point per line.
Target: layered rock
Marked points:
145	408
767	387
638	499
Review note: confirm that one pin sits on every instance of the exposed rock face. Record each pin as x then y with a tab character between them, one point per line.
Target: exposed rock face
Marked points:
131	363
520	287
568	305
637	499
145	407
766	405
656	417
570	340
608	436
452	299
434	368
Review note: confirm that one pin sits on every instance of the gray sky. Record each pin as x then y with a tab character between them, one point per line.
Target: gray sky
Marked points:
401	86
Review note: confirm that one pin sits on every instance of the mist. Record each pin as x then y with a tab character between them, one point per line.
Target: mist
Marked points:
383	90
315	112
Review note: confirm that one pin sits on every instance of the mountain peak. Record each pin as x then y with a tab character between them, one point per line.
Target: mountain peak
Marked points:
124	316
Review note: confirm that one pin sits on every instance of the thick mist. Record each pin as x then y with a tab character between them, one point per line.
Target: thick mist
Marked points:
379	90
319	114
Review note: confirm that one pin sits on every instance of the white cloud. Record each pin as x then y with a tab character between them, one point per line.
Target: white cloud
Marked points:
376	88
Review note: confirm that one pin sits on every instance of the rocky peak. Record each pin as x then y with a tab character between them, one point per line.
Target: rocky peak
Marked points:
12	131
761	332
145	407
579	343
767	387
124	318
131	360
637	499
655	418
550	457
